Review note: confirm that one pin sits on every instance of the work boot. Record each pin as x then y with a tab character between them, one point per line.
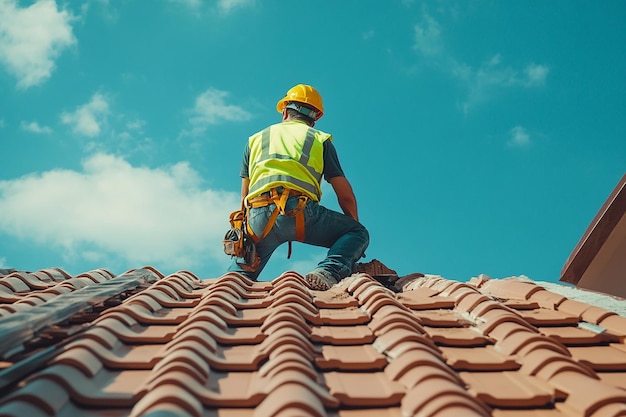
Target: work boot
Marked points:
319	279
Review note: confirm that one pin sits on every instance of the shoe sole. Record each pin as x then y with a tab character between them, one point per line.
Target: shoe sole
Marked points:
316	284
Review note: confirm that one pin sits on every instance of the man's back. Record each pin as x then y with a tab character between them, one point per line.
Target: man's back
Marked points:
282	169
288	154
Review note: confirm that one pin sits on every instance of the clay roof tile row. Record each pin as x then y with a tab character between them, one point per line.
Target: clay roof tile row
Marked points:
145	344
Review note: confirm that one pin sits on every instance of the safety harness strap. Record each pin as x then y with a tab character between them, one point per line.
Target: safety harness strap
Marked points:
280	200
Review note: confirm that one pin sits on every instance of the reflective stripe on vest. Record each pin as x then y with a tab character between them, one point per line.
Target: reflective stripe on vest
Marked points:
270	170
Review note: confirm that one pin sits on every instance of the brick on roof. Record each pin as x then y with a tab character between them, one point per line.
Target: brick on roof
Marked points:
144	344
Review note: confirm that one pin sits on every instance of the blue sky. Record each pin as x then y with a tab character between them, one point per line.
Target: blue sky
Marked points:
479	136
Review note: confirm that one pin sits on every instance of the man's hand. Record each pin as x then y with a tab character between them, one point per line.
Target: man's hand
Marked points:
345	196
245	185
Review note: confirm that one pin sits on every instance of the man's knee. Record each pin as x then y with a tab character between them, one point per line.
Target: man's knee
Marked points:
364	234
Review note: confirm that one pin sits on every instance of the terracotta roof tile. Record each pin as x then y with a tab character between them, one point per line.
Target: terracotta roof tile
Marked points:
587	396
510	288
520	304
547	299
42	396
615	325
342	335
168	398
547	363
575	336
456	336
351	358
601	358
145	344
509	389
543	412
373	412
545	317
15	284
617	379
441	318
479	359
351	389
444	399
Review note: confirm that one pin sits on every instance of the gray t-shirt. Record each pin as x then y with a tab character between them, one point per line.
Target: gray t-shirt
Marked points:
332	167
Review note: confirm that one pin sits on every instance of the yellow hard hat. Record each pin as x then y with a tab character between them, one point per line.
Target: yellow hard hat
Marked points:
304	94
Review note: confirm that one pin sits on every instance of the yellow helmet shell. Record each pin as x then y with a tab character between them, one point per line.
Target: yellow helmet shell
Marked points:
305	94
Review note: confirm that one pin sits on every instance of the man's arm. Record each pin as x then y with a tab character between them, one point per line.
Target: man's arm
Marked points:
345	196
245	185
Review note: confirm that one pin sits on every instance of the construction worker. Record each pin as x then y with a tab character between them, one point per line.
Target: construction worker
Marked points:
281	173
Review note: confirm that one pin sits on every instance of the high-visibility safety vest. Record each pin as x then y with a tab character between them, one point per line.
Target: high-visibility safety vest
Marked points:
288	154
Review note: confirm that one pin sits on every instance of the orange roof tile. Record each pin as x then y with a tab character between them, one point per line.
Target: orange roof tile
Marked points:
144	344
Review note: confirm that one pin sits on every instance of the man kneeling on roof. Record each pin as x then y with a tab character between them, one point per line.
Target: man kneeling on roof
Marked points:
282	169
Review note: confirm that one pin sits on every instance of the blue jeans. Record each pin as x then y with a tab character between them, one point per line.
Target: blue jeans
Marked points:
346	238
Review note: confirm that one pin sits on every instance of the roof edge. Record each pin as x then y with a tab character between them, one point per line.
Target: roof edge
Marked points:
596	234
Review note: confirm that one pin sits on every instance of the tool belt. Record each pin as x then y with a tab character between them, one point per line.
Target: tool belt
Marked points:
240	239
280	200
238	244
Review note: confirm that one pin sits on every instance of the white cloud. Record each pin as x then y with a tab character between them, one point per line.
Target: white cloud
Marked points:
485	81
136	125
100	129
482	82
3	263
210	109
133	129
193	4
428	37
35	128
103	9
536	74
88	119
32	38
519	137
226	6
113	210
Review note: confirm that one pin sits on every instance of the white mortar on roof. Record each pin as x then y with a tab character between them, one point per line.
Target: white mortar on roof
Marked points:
598	299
